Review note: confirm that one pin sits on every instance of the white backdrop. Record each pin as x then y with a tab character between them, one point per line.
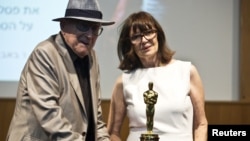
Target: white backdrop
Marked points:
205	32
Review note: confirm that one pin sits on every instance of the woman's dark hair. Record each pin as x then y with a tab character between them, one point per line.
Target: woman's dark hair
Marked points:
142	21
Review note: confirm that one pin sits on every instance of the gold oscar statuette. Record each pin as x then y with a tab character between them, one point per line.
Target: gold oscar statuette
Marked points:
150	99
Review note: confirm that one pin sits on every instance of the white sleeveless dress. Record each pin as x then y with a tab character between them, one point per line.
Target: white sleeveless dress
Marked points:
173	118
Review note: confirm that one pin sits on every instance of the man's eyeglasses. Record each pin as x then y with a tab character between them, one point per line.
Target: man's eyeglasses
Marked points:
85	27
137	38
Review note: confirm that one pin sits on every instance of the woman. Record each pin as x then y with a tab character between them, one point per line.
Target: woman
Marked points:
145	57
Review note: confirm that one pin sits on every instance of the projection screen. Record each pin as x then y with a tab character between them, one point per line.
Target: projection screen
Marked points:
205	32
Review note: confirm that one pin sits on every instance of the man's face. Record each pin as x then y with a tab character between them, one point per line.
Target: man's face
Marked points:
80	35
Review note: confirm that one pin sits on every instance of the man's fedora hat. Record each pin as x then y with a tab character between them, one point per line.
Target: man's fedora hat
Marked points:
86	10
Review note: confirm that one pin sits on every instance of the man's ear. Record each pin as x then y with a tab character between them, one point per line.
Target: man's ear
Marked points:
62	24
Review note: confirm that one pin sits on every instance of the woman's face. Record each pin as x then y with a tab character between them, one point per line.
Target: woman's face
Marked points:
145	43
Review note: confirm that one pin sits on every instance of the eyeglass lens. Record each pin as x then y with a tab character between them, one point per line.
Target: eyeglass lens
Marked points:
84	27
149	34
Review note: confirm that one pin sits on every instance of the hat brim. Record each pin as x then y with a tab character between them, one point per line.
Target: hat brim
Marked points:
103	22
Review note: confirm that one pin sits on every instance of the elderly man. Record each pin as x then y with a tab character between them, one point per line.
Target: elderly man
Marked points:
58	97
